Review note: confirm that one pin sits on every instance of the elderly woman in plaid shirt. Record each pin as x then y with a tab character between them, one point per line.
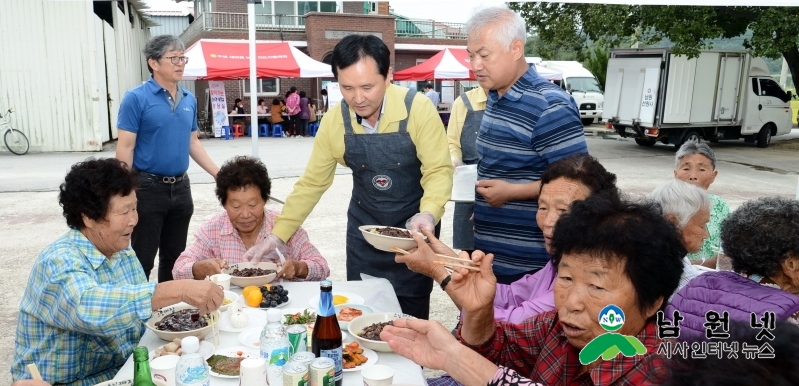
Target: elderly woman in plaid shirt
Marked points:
84	308
607	252
243	187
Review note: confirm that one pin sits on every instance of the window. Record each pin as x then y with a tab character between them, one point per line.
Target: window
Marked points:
768	87
584	84
304	7
266	87
755	88
130	14
468	85
284	8
327	6
263	13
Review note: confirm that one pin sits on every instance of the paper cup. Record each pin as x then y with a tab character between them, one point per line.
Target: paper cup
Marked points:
253	372
163	369
222	280
377	375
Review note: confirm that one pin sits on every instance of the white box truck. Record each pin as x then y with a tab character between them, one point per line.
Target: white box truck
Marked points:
582	85
653	95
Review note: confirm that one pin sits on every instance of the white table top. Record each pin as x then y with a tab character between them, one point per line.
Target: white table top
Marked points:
377	293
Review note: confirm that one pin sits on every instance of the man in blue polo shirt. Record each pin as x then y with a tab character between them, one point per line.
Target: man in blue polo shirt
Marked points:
529	123
157	135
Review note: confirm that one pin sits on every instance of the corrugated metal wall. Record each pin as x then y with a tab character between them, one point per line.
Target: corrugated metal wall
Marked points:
51	74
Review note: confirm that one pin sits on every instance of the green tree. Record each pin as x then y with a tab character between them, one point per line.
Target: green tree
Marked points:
598	64
774	30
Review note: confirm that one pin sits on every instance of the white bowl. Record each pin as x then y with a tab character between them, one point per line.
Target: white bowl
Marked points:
363	307
168	335
232	296
384	243
255	280
358	324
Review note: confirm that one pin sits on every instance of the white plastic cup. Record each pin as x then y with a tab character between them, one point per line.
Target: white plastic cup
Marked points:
222	280
163	369
253	372
377	375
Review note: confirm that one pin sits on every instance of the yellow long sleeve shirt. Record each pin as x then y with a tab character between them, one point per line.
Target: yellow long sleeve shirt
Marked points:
477	98
426	131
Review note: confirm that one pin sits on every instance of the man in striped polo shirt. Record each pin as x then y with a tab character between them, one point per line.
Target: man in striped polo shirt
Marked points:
529	123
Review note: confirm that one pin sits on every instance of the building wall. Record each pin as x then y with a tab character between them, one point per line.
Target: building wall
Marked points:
169	25
57	80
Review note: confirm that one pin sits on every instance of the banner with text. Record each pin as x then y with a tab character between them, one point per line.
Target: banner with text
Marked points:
218	106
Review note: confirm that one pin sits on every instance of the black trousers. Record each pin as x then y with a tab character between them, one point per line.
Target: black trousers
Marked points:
415	306
165	211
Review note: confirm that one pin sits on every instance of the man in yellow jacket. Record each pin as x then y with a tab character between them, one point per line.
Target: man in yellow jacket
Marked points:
395	144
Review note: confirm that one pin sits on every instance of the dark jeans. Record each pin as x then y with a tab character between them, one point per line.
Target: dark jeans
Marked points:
302	127
415	306
291	125
164	214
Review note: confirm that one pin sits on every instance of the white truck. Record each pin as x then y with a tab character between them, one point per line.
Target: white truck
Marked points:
653	95
582	85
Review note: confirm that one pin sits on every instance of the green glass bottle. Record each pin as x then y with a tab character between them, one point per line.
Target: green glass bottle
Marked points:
141	367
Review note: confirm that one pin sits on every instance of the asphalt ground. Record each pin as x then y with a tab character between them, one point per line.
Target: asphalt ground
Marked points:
30	217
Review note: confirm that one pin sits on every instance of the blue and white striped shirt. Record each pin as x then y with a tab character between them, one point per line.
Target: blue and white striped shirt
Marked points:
532	125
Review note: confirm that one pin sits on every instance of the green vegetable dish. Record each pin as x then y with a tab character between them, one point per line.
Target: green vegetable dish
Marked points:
304	317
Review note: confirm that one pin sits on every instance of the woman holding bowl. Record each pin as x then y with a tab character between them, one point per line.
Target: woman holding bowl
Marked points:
243	187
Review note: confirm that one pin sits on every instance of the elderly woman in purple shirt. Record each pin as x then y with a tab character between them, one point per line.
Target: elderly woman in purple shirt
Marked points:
570	179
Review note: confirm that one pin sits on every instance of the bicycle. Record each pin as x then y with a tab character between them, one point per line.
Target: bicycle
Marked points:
15	140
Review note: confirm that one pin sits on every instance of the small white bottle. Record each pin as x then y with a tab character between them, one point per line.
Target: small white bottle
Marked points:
191	370
274	346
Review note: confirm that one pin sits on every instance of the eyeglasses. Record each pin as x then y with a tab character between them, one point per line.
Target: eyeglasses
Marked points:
177	59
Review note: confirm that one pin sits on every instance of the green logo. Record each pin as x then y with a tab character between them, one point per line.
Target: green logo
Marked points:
610	344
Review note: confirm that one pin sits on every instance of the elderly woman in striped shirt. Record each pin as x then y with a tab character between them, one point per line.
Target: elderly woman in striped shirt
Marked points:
243	186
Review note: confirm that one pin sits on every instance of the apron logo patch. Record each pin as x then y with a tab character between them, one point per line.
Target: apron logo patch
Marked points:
382	182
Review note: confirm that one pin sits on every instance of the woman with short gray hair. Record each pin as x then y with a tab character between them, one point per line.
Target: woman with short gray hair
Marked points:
695	163
762	240
687	207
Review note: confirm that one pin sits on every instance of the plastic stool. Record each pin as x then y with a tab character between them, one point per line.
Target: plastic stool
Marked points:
277	130
312	128
238	130
263	130
226	130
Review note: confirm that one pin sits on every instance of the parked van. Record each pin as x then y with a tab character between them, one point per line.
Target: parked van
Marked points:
655	96
582	85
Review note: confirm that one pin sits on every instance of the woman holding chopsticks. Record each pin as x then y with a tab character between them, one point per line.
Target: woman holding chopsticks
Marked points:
573	178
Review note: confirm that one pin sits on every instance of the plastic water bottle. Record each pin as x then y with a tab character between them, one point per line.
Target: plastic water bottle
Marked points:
274	346
191	368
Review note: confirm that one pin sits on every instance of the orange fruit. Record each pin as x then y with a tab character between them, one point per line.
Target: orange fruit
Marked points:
254	298
246	291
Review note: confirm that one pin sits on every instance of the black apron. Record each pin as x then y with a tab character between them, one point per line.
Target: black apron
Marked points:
386	190
462	225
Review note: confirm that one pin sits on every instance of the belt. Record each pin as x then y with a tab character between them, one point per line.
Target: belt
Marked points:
164	179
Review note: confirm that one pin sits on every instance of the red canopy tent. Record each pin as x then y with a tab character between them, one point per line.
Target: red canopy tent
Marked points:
453	63
211	59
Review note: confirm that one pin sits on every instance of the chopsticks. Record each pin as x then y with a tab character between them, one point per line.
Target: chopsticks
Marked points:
215	321
472	266
34	372
453	265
